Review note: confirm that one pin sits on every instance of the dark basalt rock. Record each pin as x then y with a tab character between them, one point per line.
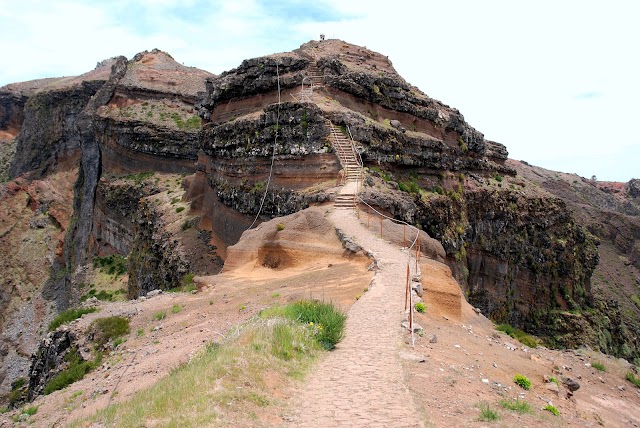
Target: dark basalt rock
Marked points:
391	91
252	77
634	188
156	260
50	134
301	131
49	360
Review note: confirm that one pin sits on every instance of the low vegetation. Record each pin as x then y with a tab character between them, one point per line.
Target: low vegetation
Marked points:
487	414
187	285
598	366
114	264
69	315
18	392
76	369
420	307
522	381
633	379
324	319
517	405
552	409
206	392
110	328
518	334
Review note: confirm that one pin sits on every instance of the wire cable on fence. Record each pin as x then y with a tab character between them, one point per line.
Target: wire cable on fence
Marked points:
416	244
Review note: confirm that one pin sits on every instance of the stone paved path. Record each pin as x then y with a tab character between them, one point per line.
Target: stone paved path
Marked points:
361	383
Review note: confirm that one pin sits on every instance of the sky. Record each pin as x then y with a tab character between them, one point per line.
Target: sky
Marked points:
554	81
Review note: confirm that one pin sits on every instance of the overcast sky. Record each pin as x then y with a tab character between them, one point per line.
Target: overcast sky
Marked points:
555	81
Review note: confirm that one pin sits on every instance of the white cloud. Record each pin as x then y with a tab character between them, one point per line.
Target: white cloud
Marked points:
515	70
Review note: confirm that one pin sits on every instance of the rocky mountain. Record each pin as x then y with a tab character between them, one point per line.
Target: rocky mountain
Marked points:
170	165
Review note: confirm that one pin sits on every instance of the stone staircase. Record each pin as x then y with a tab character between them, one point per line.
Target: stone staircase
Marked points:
315	75
343	146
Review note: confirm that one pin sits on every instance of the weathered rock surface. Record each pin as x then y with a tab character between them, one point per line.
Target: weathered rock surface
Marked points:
49	360
523	255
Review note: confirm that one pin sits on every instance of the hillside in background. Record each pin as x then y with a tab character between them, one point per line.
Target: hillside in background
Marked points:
143	174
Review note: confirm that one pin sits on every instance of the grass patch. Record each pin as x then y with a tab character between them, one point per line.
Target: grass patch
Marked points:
223	383
420	307
76	369
191	123
522	381
106	296
114	264
409	186
633	379
383	174
159	316
179	209
175	309
487	414
69	315
187	285
326	321
109	328
552	409
518	334
18	391
598	366
519	406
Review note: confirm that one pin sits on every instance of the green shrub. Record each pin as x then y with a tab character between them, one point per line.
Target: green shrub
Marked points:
519	406
487	414
633	379
76	369
159	316
179	209
554	380
498	178
105	329
552	409
409	186
518	334
69	315
175	201
522	381
279	227
420	307
3	410
186	225
175	309
31	410
463	146
598	366
18	391
114	264
326	321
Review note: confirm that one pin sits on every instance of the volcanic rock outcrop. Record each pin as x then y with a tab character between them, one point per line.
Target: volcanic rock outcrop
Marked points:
172	164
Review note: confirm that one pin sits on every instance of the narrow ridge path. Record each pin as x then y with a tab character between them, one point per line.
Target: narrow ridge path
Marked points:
361	383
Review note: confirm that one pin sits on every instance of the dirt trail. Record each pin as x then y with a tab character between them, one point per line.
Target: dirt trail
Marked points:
361	383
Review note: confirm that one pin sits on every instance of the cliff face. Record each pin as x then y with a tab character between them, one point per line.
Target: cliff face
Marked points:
171	164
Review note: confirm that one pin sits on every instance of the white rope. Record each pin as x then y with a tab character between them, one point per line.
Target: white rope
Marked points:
273	157
273	154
